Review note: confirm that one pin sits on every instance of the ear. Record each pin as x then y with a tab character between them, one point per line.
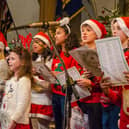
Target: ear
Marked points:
66	36
45	46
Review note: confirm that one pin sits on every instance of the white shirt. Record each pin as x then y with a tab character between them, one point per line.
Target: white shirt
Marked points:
17	99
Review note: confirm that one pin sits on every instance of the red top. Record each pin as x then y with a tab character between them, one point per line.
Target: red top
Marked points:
57	66
106	101
117	98
2	39
95	92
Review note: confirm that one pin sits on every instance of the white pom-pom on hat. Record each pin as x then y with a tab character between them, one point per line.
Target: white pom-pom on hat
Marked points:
64	21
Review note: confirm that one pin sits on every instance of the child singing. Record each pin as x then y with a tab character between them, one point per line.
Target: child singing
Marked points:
120	27
41	107
90	31
17	98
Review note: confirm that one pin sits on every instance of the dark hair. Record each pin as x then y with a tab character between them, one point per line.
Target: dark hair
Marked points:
47	52
25	57
71	41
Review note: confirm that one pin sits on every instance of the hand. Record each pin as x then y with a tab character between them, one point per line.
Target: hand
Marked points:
87	74
77	108
34	71
127	76
105	84
12	125
55	73
84	83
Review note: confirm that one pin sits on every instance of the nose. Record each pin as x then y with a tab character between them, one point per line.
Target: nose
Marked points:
34	44
84	32
8	61
114	32
55	36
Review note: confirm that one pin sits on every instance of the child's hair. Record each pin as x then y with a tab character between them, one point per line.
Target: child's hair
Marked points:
25	57
2	55
71	42
123	23
46	52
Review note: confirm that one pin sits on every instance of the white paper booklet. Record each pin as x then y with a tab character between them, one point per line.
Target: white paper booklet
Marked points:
75	75
112	59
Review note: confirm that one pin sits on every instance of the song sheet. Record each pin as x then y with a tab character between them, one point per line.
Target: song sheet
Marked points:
112	59
75	75
87	58
43	70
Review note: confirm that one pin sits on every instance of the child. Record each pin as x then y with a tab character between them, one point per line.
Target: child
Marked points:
41	107
120	27
17	98
90	31
64	41
111	111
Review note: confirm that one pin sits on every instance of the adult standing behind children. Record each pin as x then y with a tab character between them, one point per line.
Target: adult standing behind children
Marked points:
90	31
17	98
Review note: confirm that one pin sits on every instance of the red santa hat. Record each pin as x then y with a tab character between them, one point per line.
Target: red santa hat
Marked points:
123	23
98	27
2	39
44	38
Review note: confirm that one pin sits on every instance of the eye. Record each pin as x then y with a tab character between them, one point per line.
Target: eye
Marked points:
88	30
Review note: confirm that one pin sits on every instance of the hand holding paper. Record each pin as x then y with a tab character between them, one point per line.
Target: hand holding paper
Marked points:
75	75
112	60
87	58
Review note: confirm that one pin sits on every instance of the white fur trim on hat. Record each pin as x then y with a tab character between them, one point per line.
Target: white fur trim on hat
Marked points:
2	45
123	26
93	26
45	40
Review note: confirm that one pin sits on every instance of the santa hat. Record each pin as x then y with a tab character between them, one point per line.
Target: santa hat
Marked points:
98	27
123	23
44	38
2	39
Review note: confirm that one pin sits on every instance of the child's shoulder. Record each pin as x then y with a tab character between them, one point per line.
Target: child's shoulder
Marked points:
24	78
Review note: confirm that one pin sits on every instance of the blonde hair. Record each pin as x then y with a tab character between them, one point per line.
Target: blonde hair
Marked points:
2	54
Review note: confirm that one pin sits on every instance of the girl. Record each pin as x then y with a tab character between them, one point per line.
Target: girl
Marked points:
41	107
120	27
17	97
65	41
90	31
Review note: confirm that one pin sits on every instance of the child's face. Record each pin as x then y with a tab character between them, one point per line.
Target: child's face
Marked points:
116	31
14	62
60	36
88	35
38	46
